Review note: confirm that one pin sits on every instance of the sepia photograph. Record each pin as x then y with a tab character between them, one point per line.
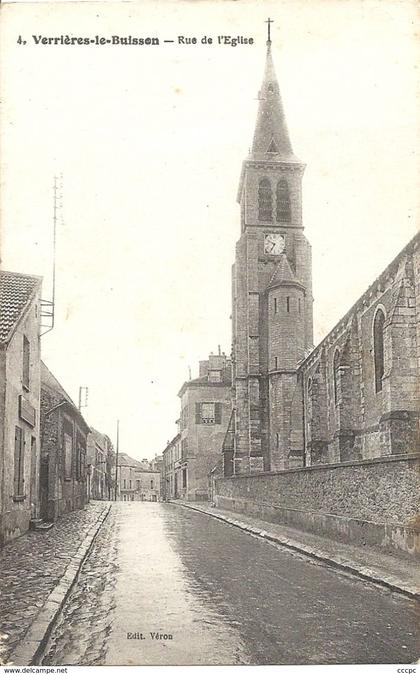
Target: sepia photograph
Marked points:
209	334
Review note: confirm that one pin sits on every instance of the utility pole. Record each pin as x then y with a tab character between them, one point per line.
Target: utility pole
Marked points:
83	393
116	459
48	306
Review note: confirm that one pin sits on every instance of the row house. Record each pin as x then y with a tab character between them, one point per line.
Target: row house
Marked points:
205	413
64	434
171	469
156	463
136	480
100	466
20	324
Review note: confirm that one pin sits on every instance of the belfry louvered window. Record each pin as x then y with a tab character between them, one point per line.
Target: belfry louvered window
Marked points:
265	201
378	347
283	213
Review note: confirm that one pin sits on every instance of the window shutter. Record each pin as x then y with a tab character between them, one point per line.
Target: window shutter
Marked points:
198	413
18	432
218	413
19	462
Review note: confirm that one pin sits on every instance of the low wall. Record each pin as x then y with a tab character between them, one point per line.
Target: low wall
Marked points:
371	502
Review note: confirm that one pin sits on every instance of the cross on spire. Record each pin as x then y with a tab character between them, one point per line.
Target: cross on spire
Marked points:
269	22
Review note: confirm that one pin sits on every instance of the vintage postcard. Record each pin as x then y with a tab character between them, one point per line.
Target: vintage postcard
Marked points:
209	334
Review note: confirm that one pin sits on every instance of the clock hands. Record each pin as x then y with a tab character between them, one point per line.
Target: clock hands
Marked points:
274	245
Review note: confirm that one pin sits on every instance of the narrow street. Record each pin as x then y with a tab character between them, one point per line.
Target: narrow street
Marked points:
221	596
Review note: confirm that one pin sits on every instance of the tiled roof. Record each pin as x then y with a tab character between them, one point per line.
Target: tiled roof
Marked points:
16	292
125	460
283	273
48	380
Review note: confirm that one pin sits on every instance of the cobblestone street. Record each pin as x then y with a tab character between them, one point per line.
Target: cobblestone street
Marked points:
220	596
80	636
31	566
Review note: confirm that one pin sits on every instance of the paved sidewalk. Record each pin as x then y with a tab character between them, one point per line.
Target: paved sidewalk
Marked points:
30	568
396	572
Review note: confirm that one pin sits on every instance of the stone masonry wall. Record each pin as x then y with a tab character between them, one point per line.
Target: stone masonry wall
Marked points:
347	415
17	510
379	490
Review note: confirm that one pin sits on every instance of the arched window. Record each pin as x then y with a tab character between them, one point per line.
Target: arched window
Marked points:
283	213
336	363
309	400
265	201
378	348
309	386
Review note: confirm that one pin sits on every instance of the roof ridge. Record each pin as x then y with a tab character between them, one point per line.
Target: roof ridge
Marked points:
60	387
17	292
283	272
21	274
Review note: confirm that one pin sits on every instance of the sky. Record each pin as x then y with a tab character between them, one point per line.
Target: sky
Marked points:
150	140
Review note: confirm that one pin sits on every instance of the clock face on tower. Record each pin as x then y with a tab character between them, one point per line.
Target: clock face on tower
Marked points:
273	244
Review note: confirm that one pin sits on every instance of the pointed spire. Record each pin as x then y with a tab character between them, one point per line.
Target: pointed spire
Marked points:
271	136
283	274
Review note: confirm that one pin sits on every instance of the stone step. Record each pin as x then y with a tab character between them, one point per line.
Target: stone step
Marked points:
40	525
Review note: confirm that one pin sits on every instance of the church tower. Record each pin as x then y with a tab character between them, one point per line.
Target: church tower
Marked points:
271	295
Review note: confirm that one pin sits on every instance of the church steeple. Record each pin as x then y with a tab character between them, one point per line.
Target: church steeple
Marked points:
271	136
271	293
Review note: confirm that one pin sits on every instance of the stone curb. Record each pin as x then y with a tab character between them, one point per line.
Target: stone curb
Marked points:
32	647
355	568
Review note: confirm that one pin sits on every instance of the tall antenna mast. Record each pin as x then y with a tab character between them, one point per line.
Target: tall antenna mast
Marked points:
83	397
48	306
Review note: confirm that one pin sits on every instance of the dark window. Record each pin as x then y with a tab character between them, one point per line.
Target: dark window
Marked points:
275	305
283	213
288	304
26	362
276	363
80	457
277	440
130	484
138	485
265	201
299	305
310	386
152	486
68	455
184	478
378	345
82	463
124	484
19	462
78	463
208	413
336	363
